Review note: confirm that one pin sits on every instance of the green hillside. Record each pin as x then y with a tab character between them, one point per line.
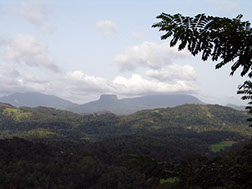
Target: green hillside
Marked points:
33	122
195	117
89	151
198	118
15	113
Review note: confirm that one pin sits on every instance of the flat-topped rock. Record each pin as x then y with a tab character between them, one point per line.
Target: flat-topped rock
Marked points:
108	97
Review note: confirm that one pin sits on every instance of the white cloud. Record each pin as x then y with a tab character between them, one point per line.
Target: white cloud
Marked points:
136	85
173	73
106	28
34	79
25	54
25	49
148	54
78	86
33	83
37	13
77	83
11	72
12	81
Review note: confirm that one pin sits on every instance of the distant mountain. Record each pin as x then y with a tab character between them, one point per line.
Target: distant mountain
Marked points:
163	101
107	103
34	99
236	107
110	103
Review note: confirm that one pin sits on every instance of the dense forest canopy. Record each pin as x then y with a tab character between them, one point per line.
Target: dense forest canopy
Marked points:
89	151
216	37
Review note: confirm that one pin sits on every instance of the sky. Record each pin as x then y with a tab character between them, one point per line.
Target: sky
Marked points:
80	49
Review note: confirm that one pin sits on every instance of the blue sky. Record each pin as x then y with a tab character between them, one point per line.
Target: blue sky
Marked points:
79	50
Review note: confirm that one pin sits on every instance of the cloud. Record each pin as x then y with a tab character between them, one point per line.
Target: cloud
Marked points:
37	13
13	81
9	86
11	72
34	79
25	49
148	54
78	86
106	28
225	6
136	85
173	73
77	83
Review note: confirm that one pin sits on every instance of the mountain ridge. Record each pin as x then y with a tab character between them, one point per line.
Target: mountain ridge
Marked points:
128	106
107	103
34	99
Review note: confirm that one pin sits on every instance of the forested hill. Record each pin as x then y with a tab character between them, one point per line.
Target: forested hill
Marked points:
195	117
89	151
192	117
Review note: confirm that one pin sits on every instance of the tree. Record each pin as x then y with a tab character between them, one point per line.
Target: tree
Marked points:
216	38
246	89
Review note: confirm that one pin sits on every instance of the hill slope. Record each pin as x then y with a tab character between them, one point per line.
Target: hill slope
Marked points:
196	118
191	116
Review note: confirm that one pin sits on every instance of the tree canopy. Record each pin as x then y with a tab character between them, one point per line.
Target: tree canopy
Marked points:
217	38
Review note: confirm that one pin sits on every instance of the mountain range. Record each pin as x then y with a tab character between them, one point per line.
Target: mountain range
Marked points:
110	103
106	103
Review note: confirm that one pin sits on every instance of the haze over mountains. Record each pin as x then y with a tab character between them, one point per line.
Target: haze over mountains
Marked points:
114	105
106	103
236	107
